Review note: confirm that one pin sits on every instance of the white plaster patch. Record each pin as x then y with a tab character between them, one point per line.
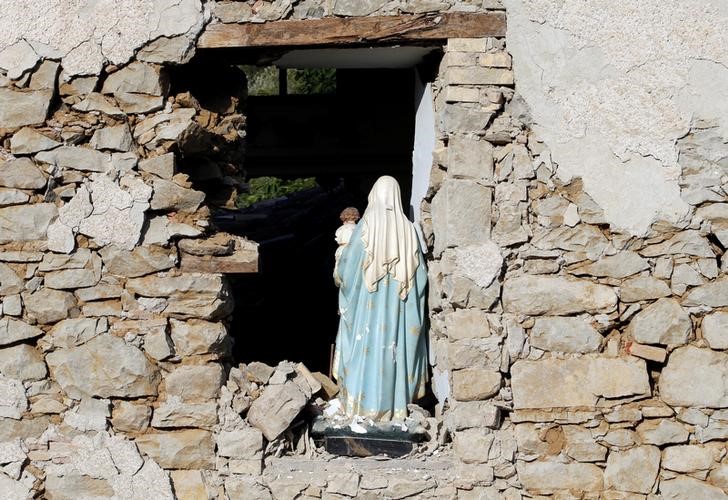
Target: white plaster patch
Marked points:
85	34
611	87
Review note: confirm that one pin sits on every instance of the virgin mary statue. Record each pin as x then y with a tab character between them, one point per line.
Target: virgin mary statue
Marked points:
380	361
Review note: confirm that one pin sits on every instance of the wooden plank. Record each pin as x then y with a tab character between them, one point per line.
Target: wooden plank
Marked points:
353	30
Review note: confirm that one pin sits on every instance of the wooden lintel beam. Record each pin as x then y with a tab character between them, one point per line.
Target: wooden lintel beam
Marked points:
353	30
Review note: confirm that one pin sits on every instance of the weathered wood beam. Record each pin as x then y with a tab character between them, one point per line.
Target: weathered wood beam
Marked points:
353	30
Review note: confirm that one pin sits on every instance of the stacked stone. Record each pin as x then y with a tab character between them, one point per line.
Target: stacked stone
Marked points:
101	334
602	351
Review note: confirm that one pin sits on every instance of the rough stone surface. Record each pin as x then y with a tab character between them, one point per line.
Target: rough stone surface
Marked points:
620	265
687	487
12	331
663	322
551	476
26	223
461	214
276	408
695	377
643	288
21	173
582	381
195	382
138	262
18	109
195	337
713	295
564	335
48	306
186	449
633	470
85	370
715	330
552	295
22	362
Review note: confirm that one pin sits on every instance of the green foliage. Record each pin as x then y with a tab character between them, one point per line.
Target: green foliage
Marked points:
262	80
268	188
312	81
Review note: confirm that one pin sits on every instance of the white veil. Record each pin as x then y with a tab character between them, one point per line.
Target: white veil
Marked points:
390	240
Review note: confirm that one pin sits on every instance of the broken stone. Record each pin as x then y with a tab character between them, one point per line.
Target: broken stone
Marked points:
468	415
97	102
139	261
22	362
245	443
12	399
130	417
137	78
461	214
74	485
21	173
643	288
12	197
131	103
581	445
472	446
713	294
660	432
89	415
582	238
195	382
555	295
469	158
688	242
26	223
554	476
175	126
48	306
276	408
186	449
479	76
18	109
163	166
174	413
663	322
74	332
158	345
467	324
632	470
651	353
695	377
582	381
196	337
18	58
172	197
715	330
564	335
12	330
68	279
116	138
85	371
161	229
76	158
618	266
10	282
473	384
12	305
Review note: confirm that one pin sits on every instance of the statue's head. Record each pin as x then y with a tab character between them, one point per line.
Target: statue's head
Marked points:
349	214
385	194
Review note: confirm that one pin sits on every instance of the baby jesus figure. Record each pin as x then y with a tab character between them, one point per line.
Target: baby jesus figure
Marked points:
349	217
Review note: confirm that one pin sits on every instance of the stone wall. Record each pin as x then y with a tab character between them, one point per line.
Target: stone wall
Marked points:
578	303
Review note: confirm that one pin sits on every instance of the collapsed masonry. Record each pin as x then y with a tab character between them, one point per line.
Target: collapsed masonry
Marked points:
570	360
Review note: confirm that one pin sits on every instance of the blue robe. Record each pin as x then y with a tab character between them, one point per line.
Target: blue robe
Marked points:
380	360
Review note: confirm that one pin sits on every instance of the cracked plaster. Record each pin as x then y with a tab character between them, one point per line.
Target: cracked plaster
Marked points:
612	86
85	33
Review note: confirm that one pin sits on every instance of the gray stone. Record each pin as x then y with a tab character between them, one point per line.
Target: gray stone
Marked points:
346	484
12	197
688	242
68	279
89	415
10	282
137	78
116	138
582	238
472	446
555	295
661	432
12	400
688	458
195	382
713	294
44	77
76	158
246	442
162	127
186	449
565	335
510	198
74	485
21	173
131	103
27	141
618	266
139	261
74	332
481	264
663	322
189	295
163	166
174	413
85	370
461	214
581	445
22	362
158	345
26	223
553	476
473	384
13	330
643	288
12	305
357	7
632	470
196	337
48	306
695	377
55	262
581	381
467	324
172	197
161	229
685	488
130	417
469	158
276	408
97	102
18	109
468	415
715	330
18	58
